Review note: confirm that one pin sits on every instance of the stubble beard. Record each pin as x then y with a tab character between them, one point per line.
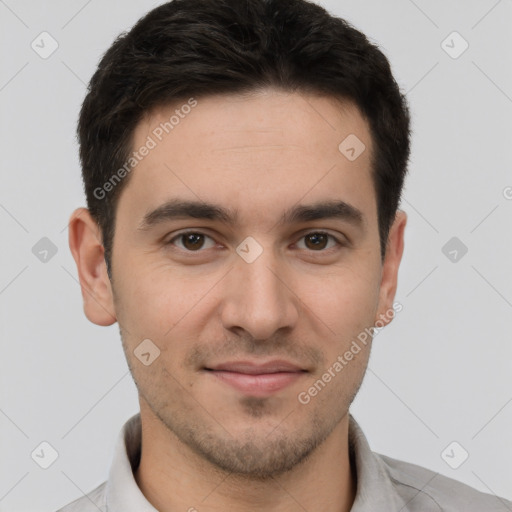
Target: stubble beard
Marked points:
256	453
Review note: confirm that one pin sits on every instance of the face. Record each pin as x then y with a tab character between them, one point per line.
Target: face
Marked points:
248	308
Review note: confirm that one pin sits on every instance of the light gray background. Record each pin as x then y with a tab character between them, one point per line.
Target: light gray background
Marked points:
441	372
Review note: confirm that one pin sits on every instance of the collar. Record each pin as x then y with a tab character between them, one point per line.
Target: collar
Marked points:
375	488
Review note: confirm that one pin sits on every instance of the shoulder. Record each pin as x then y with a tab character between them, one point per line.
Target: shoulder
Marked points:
423	489
91	502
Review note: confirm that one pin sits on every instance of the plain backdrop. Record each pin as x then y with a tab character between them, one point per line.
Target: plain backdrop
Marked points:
440	373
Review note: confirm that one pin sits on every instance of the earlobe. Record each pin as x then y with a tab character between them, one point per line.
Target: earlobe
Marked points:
88	253
389	281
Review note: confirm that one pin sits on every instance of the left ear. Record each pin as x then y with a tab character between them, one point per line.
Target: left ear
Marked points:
393	256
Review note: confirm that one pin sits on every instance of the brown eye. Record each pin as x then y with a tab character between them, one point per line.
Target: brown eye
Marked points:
317	241
191	241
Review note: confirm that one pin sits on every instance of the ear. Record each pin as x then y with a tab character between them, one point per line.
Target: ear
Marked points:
88	252
389	281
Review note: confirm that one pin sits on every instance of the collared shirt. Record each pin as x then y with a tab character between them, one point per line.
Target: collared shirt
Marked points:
384	484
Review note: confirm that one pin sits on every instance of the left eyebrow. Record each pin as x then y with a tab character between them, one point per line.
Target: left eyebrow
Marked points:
183	209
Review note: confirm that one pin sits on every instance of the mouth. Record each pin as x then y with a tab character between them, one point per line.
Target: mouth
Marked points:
257	379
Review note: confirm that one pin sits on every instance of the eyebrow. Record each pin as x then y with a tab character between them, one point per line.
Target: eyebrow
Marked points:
183	209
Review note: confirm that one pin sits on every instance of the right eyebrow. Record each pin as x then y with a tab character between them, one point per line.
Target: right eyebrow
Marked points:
180	209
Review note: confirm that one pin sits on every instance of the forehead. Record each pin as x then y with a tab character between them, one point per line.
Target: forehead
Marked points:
253	153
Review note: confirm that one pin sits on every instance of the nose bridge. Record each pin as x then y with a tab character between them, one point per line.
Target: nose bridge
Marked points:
261	278
258	299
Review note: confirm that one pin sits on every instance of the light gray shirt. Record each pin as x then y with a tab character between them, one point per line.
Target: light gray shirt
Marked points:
383	484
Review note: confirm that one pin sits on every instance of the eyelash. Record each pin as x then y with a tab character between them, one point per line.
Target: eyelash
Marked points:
183	233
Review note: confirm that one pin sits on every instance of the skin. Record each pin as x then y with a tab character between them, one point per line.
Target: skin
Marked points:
206	445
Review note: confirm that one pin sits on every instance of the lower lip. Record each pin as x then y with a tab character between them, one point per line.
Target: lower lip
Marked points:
257	385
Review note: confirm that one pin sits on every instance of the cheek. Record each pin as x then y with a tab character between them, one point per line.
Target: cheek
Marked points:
346	301
167	309
154	300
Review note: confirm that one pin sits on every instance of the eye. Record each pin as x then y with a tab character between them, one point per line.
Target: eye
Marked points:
317	240
192	240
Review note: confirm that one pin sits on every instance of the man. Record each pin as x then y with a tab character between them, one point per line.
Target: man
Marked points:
243	163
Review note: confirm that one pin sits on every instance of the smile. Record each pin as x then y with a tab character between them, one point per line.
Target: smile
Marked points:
257	380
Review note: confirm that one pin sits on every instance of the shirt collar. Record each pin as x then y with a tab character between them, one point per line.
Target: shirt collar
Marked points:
375	489
122	491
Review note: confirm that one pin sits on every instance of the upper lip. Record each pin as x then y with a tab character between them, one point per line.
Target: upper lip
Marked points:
256	368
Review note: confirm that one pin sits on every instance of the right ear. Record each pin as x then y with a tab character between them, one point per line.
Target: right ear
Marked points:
88	252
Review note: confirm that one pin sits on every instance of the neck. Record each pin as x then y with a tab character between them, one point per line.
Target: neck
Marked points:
174	478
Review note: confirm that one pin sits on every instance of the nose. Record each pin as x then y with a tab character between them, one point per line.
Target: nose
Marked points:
259	297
